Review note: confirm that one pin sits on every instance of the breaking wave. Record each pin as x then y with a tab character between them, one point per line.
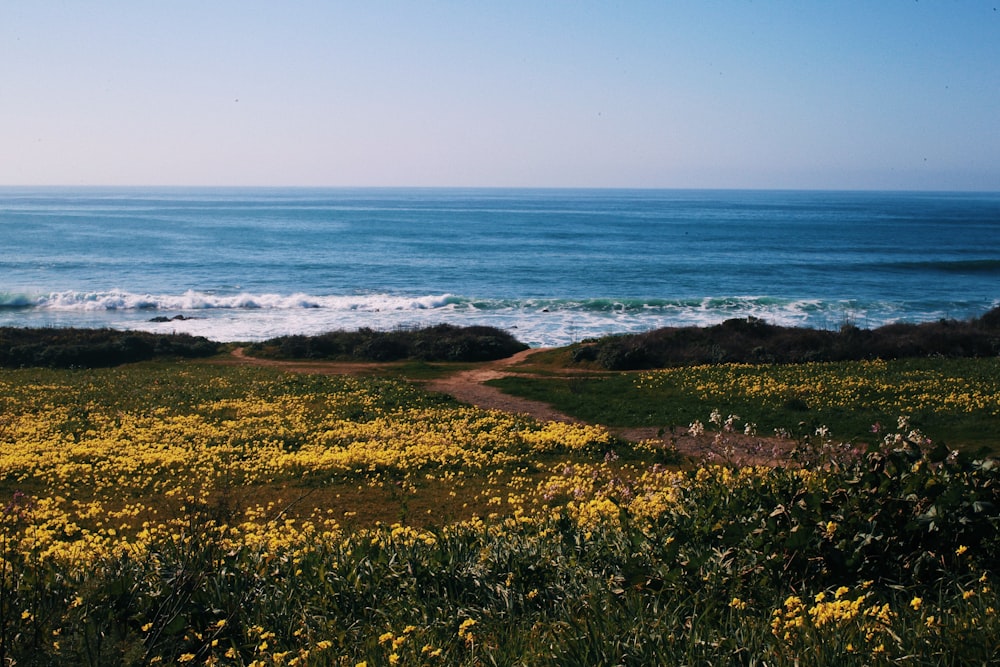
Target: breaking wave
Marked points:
535	321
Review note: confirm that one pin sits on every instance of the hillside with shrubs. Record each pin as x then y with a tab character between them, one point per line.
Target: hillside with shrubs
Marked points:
755	341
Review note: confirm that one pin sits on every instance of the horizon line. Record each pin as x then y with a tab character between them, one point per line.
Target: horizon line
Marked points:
6	186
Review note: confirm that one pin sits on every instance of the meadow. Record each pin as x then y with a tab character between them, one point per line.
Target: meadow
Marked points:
190	512
954	399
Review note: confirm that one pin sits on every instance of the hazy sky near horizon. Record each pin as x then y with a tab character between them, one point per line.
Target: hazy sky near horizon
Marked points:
891	94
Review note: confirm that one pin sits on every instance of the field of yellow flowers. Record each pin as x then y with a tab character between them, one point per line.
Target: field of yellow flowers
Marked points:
191	513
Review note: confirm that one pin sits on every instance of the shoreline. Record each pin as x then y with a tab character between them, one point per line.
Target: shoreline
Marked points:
743	340
538	322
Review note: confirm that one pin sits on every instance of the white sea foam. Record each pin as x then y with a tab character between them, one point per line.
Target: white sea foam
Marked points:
192	301
267	262
538	322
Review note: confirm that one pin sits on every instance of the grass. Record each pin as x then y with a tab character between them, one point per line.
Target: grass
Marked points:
195	513
956	399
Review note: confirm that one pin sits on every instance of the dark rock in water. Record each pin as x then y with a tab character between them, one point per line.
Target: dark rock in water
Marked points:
163	318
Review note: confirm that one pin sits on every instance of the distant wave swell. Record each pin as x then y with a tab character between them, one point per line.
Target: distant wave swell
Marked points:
968	266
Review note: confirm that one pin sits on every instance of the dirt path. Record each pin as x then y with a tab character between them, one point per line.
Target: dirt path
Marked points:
468	386
239	356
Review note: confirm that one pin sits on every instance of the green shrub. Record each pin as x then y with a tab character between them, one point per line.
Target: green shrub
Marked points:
94	348
752	340
443	342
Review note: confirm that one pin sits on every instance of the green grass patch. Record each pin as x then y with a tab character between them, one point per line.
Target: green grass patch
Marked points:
956	400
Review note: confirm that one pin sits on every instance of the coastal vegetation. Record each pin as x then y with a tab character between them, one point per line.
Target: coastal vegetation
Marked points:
754	341
750	341
443	342
96	348
92	348
189	511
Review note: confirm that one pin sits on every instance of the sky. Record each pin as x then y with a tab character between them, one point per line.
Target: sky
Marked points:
893	94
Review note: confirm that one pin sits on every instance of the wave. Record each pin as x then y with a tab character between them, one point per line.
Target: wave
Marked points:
539	322
191	300
974	266
194	301
204	301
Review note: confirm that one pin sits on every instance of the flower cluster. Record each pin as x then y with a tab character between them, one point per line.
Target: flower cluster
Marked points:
866	622
241	431
876	385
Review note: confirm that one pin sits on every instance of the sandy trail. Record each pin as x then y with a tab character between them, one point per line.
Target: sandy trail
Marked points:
468	386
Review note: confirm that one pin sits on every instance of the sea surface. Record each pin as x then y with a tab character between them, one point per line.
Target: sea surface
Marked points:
551	266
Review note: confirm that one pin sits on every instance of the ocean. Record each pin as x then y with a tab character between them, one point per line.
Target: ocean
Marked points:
551	266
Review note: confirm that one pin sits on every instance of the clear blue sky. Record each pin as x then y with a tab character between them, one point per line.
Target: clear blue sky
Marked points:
884	94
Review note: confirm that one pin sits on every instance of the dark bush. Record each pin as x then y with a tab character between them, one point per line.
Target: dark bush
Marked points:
94	348
991	320
381	348
443	342
752	340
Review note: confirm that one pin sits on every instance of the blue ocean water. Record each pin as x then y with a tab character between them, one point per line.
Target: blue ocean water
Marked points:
551	266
